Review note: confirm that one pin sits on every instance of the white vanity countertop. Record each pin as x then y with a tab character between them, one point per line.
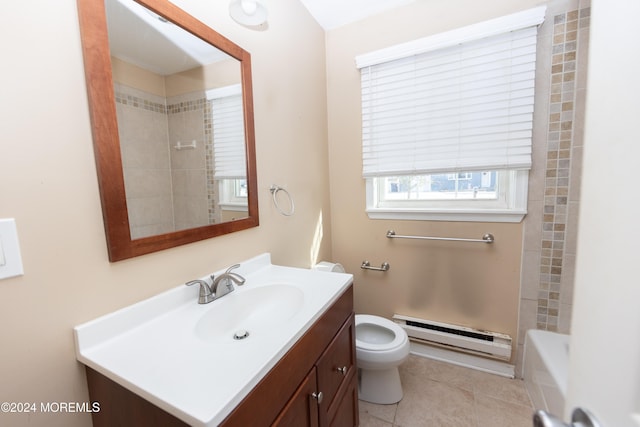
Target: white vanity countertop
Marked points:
154	349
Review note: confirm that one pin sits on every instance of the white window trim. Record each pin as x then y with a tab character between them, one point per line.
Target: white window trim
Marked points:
503	24
514	212
224	91
234	207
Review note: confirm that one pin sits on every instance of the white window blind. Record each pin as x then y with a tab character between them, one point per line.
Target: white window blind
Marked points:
462	107
228	133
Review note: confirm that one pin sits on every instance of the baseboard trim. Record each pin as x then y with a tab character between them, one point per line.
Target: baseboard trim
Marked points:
462	359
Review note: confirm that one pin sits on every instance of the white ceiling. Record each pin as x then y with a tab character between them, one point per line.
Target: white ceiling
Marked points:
331	14
136	35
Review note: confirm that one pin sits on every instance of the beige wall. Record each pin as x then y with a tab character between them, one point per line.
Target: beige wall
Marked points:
48	183
218	74
461	283
139	78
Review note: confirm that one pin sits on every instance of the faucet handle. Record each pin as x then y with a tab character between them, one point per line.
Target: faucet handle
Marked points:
237	279
231	268
206	295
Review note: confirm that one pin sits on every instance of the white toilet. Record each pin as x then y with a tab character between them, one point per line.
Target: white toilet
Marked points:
381	346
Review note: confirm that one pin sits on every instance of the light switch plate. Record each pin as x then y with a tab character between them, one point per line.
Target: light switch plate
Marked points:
3	261
10	258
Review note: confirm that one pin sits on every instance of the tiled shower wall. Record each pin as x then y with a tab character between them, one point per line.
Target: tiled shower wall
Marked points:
166	187
549	247
142	128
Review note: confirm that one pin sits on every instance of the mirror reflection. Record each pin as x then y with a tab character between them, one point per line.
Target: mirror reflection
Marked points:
180	124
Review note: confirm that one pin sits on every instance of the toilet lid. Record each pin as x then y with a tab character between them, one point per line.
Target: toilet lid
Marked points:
391	335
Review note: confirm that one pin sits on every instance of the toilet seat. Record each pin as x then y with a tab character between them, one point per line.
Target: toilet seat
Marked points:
381	328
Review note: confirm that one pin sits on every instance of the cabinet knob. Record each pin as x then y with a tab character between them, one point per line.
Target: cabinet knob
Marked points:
318	396
342	370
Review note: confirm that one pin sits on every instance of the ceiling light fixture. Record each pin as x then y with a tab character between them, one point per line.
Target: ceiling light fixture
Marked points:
248	12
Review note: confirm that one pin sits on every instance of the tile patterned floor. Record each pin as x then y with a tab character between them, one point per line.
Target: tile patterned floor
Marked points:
438	394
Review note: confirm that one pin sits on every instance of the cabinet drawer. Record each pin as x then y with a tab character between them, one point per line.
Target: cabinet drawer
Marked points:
337	365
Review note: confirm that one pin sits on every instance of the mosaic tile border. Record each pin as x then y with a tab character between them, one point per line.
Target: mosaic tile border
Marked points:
138	102
172	108
560	140
212	186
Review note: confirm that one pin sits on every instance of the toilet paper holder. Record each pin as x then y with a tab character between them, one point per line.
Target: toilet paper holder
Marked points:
366	265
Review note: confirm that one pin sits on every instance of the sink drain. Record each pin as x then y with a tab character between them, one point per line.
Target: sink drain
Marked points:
241	334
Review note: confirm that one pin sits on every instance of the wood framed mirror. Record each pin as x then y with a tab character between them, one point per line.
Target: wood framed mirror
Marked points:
172	122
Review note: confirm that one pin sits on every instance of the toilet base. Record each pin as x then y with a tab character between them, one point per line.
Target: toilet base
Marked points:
382	387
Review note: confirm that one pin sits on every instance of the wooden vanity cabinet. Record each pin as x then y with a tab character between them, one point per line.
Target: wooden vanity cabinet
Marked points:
315	383
328	395
322	361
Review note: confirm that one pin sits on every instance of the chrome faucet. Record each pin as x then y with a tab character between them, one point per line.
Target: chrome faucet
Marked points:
219	287
223	284
206	295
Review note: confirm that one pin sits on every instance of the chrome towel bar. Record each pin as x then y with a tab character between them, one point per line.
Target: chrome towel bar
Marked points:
367	266
487	238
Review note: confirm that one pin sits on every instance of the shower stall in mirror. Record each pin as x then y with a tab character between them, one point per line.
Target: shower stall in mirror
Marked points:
180	124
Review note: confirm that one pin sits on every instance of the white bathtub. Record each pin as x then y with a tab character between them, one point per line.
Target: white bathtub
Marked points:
546	368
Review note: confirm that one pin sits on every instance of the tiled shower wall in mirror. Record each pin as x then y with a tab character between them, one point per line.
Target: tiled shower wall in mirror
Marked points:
169	187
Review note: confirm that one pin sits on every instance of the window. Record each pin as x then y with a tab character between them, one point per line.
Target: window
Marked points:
450	186
233	194
447	122
229	161
466	196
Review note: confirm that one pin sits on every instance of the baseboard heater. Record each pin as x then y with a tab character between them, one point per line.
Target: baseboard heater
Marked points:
482	343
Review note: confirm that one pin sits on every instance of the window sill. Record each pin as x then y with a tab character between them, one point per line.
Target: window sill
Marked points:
236	207
511	216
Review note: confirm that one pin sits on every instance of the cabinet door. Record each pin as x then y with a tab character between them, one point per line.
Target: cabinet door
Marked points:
346	414
302	409
336	369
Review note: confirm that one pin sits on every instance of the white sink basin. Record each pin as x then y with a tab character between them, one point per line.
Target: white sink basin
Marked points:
252	311
158	347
